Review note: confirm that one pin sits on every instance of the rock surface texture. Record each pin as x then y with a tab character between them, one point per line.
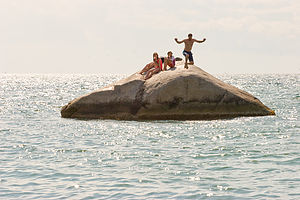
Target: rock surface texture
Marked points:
176	94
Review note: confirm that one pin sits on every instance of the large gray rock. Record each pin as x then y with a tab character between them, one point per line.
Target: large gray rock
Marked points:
180	94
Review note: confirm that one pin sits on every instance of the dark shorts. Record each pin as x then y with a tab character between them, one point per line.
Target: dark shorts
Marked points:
190	55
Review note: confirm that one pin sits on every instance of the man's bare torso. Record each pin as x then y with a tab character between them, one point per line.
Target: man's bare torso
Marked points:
188	44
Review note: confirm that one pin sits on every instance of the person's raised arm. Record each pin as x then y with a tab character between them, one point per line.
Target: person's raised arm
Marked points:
200	41
179	42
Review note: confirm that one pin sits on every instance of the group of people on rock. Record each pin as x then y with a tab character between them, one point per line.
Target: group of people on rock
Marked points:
161	63
158	64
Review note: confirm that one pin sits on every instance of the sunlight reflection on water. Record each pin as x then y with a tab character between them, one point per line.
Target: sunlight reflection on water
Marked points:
45	156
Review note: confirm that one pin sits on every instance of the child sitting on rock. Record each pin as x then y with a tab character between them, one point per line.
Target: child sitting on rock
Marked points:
168	61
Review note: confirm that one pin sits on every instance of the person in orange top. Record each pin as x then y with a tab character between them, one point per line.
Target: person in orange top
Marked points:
157	66
150	65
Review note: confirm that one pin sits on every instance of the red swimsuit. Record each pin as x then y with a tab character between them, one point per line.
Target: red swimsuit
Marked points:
159	64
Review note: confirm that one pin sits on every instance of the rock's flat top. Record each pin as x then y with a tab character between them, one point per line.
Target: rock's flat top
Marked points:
178	93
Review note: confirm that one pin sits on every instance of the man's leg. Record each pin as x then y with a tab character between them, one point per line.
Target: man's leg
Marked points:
186	55
191	59
186	61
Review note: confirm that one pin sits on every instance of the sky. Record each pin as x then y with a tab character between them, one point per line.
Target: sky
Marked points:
119	36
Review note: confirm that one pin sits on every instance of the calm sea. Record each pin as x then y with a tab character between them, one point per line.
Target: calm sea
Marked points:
43	156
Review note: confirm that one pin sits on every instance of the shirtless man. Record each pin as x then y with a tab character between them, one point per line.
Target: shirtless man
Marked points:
188	44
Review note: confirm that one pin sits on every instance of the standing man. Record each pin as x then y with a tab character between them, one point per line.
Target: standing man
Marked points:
188	44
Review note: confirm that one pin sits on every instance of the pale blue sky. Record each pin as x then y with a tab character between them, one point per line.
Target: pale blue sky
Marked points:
119	36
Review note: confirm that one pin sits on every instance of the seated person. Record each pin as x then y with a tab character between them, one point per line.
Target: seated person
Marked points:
150	65
157	66
168	61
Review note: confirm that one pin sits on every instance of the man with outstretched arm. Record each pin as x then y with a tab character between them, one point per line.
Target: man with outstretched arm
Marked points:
188	44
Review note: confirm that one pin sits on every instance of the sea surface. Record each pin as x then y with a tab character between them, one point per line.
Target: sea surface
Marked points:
43	156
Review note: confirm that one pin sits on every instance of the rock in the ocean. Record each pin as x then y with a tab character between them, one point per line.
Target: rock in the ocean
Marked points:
179	94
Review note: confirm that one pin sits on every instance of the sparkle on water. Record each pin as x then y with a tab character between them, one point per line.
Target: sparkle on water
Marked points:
43	156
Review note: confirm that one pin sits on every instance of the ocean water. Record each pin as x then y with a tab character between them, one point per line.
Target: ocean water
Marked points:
43	156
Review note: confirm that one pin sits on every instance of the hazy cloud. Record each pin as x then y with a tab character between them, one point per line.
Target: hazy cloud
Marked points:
97	32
